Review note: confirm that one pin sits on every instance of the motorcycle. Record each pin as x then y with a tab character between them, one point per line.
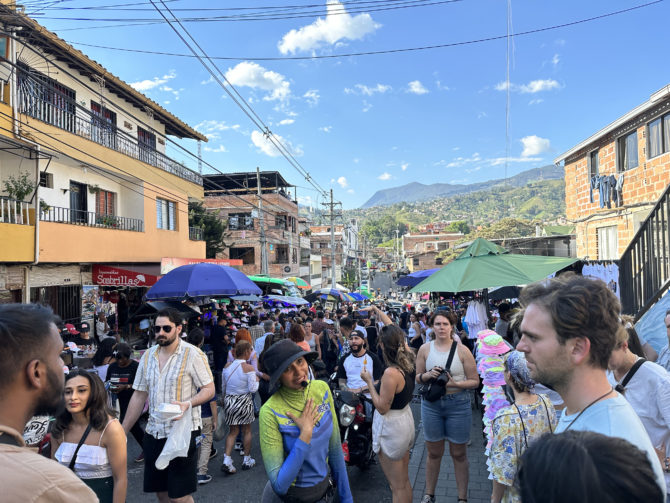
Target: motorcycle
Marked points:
355	426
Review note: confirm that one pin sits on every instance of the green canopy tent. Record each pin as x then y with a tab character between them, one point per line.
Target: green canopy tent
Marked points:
486	265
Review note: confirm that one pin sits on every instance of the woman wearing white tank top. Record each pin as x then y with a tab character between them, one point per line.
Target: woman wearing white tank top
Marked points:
450	417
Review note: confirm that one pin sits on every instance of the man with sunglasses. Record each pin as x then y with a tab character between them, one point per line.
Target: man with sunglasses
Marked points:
170	372
646	386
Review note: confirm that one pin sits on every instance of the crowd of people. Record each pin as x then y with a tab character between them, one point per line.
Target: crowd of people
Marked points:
586	414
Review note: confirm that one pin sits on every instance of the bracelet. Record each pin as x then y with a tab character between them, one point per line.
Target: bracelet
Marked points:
666	462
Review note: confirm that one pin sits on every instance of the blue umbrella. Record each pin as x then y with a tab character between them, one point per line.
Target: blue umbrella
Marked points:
416	277
202	280
357	296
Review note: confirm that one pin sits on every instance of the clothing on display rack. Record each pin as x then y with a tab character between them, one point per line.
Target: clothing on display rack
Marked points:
476	318
607	272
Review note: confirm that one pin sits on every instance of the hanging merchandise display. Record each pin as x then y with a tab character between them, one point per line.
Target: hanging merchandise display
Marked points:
605	271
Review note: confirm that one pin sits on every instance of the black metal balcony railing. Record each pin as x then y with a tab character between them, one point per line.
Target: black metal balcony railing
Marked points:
644	268
241	224
14	212
67	115
91	219
195	234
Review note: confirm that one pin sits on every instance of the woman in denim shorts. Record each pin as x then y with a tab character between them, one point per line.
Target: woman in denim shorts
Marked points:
450	417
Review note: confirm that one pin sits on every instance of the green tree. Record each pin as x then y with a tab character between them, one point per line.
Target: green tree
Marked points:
213	229
458	226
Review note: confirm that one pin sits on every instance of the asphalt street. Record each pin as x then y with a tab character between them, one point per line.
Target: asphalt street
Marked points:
383	281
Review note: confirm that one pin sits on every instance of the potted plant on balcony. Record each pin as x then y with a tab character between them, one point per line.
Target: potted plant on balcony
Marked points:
18	188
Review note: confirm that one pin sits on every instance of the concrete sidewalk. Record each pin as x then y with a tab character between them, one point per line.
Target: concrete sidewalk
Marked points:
479	488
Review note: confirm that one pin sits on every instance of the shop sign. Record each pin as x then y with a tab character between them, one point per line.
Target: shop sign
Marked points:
113	276
169	263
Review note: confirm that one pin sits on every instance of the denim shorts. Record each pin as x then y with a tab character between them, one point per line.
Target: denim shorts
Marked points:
449	417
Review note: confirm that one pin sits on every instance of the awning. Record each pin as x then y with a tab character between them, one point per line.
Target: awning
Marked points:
106	275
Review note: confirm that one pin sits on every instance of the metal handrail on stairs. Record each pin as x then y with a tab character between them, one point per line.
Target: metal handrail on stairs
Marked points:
644	268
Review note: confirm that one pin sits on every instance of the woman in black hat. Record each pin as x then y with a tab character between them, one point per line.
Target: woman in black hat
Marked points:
300	437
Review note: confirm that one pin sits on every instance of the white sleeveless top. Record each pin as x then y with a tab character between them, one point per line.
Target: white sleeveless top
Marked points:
437	358
92	461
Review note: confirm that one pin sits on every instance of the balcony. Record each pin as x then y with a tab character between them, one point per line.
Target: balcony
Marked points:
195	234
15	212
52	106
91	219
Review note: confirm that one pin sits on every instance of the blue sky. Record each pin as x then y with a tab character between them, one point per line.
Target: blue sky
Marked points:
363	123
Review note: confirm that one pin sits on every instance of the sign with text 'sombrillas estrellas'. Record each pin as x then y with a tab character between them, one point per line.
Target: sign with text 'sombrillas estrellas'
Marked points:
114	276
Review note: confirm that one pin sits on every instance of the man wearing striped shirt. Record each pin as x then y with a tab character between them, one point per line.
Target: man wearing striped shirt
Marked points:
175	372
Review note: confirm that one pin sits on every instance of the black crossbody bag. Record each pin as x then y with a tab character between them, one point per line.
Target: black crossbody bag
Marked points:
435	389
83	439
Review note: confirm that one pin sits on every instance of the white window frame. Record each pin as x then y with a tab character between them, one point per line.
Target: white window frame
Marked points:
166	213
608	242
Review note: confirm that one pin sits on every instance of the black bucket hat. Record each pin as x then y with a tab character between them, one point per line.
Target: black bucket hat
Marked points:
280	356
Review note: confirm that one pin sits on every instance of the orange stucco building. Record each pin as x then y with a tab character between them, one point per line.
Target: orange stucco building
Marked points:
99	189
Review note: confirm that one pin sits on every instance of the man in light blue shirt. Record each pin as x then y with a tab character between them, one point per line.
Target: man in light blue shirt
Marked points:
259	344
664	356
568	333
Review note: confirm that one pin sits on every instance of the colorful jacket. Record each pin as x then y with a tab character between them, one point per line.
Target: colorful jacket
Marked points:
290	461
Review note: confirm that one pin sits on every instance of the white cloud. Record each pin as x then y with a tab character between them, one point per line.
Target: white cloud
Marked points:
312	97
305	200
210	80
535	101
168	89
384	176
555	60
266	147
326	129
534	86
441	87
366	106
286	122
404	166
218	149
337	26
416	87
148	84
356	160
460	161
350	191
534	145
342	182
212	128
255	76
482	115
366	90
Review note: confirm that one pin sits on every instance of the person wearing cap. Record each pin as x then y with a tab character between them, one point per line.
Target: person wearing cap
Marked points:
82	336
351	365
300	436
516	426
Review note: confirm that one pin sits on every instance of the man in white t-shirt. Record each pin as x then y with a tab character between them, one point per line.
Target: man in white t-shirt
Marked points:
351	365
568	334
646	386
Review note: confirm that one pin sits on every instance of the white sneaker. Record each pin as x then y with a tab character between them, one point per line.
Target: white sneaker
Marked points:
248	462
227	466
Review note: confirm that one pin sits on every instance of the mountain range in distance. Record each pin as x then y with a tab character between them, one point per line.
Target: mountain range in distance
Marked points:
415	191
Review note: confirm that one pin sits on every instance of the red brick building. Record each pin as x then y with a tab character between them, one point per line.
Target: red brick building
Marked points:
234	199
633	153
425	242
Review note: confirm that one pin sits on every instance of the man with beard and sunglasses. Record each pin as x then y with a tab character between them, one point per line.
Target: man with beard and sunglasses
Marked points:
31	384
171	372
352	364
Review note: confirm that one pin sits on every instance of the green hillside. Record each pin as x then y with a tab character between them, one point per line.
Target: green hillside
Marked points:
541	201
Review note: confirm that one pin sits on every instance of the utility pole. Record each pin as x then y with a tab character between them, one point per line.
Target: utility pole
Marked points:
264	252
397	246
331	206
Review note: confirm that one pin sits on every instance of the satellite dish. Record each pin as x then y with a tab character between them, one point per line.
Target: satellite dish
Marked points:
287	268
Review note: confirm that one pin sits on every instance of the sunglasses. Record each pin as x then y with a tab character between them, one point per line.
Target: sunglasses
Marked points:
166	328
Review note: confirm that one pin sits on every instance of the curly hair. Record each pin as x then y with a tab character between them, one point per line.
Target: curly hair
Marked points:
96	409
395	351
579	307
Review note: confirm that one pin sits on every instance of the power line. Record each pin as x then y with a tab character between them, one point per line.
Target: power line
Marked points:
329	10
131	115
248	110
386	51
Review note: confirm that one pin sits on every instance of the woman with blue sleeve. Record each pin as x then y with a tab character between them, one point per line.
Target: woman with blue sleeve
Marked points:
300	437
